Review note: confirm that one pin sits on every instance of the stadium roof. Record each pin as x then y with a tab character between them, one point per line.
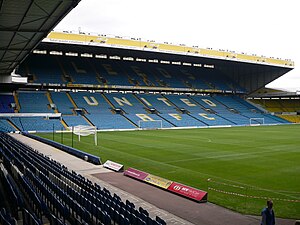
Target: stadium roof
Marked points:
23	24
273	93
138	44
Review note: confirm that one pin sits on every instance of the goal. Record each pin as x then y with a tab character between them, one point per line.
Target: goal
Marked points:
83	130
150	124
256	121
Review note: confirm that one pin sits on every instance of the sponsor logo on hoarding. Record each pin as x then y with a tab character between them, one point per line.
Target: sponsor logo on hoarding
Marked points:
158	181
180	189
188	192
113	165
176	187
137	174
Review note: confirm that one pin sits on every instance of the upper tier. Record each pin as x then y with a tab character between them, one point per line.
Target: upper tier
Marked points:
57	69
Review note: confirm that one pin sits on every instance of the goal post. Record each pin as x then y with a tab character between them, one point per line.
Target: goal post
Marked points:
150	124
256	121
83	130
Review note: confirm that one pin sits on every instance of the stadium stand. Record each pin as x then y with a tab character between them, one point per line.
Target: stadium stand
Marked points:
5	103
112	91
45	192
62	103
5	126
195	110
132	108
99	111
291	118
37	124
42	69
127	110
78	69
86	70
245	109
34	102
285	108
170	111
279	105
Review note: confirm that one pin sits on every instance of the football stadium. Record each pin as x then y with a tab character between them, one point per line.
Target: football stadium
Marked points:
101	129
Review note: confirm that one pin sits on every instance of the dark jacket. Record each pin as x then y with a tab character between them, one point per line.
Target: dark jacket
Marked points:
268	217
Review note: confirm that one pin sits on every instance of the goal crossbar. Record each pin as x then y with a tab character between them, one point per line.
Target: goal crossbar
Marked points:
83	130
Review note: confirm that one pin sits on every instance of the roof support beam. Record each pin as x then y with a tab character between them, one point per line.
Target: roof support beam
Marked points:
19	26
14	49
9	29
22	28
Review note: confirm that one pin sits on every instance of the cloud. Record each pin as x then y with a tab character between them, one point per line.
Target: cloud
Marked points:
266	27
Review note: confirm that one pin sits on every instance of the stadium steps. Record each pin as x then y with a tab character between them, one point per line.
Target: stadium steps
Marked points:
133	123
95	71
291	118
209	84
198	119
227	119
108	101
72	100
257	105
278	119
166	120
88	121
172	103
227	107
15	94
248	104
64	74
50	100
63	122
196	102
148	82
147	109
13	125
283	108
142	102
133	81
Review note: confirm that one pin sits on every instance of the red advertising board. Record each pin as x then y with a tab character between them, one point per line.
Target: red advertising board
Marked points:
188	192
137	174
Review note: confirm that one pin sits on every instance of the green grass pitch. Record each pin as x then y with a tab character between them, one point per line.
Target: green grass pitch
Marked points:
239	167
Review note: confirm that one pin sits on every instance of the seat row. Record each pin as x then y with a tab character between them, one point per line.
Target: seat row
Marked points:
55	195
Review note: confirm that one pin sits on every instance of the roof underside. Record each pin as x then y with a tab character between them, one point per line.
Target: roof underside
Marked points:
23	24
251	76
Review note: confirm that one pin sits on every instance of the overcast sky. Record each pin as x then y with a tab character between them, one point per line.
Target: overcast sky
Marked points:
262	27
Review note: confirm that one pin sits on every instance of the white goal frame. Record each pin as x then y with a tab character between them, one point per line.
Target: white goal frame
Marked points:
84	130
140	122
256	121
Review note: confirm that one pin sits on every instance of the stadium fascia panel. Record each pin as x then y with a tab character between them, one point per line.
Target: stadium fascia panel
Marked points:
152	46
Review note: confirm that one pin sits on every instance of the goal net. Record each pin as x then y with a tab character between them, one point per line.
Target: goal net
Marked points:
150	124
83	130
256	121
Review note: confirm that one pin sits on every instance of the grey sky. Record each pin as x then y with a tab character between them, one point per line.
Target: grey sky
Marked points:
263	27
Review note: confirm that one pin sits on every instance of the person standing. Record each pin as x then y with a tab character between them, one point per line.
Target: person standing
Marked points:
268	215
